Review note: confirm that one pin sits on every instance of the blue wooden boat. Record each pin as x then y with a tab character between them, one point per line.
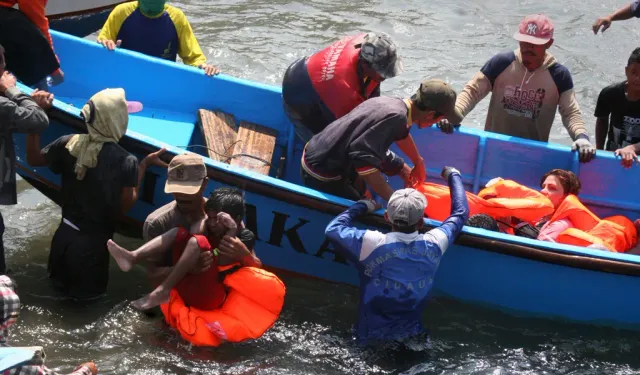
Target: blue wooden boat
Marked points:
518	275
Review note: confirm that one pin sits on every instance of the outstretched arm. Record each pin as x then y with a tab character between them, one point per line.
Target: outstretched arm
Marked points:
348	239
623	13
450	228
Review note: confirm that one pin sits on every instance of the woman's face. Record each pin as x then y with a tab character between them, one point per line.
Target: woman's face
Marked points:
552	189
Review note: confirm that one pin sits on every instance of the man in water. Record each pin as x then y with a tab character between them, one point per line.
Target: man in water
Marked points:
354	149
397	269
10	307
187	180
18	114
618	110
624	13
100	182
527	87
29	47
321	88
156	29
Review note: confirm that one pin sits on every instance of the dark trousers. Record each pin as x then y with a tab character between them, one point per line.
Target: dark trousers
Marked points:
343	188
79	262
28	54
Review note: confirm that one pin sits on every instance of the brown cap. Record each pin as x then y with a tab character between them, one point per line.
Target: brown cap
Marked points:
439	96
186	174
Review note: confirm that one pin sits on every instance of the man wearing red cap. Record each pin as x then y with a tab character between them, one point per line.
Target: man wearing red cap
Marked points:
528	86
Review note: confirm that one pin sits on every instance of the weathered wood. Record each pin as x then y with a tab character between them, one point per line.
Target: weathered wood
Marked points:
255	140
219	131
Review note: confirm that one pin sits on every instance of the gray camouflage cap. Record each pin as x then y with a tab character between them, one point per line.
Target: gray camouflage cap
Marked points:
381	52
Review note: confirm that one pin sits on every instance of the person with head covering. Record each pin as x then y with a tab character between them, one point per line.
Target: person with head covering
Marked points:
24	360
397	269
24	32
19	113
527	86
321	88
154	28
99	182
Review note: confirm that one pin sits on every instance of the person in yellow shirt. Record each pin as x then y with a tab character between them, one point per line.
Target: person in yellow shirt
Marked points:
156	29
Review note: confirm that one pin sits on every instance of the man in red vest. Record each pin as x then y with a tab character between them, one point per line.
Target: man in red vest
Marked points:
24	33
325	86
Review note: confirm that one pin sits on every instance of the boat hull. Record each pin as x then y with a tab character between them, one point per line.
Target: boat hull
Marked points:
520	276
79	17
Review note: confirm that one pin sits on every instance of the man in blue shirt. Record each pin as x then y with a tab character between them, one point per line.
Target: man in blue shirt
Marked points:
397	269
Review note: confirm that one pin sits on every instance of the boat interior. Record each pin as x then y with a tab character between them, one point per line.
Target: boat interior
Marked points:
240	125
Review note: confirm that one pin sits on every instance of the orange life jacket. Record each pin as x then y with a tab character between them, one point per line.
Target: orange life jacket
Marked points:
505	198
616	233
253	304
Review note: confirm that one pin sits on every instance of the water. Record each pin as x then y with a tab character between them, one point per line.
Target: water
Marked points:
257	40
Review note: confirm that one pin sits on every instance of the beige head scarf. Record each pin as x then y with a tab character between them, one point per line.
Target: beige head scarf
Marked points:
106	122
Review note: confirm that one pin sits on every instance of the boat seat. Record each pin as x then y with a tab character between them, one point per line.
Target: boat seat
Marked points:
248	146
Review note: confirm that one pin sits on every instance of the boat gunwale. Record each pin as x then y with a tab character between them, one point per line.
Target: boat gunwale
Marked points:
564	255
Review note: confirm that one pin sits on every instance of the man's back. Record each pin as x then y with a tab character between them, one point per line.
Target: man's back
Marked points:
93	203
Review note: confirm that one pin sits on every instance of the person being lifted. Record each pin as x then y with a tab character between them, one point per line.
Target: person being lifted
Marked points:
327	85
354	149
156	29
527	87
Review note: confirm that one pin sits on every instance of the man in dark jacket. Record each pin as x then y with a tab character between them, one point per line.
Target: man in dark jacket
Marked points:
18	114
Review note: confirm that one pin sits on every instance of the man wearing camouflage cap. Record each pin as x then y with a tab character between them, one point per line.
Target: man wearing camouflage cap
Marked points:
397	269
327	85
354	149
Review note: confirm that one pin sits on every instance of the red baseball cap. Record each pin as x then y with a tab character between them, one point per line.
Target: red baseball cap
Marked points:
535	29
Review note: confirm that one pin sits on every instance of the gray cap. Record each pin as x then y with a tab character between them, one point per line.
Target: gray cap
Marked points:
406	207
381	52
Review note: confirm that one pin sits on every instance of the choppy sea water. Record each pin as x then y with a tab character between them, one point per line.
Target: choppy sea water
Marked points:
257	40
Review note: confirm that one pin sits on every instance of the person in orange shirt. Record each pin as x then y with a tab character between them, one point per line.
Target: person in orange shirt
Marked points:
24	33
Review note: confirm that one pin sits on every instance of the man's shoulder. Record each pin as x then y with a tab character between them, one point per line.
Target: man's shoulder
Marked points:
169	210
613	88
561	77
176	14
497	64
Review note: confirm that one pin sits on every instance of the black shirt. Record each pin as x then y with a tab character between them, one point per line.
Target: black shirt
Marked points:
624	123
361	140
93	203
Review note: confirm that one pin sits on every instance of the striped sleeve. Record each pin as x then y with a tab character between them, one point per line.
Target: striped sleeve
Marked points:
111	28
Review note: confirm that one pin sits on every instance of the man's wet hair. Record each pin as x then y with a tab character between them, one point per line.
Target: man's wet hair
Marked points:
227	200
483	221
635	57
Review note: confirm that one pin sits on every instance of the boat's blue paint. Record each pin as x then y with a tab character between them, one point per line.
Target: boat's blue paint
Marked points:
290	234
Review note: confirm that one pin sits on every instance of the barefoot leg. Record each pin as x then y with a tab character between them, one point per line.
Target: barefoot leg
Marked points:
126	259
185	264
123	257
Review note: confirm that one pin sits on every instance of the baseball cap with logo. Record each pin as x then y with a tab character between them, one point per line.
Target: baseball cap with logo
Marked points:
406	207
381	52
186	174
535	29
439	96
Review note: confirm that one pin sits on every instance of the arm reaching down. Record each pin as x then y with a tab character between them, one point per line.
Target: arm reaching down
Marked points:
451	228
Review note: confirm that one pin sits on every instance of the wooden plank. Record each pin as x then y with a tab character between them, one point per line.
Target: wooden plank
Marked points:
219	131
255	140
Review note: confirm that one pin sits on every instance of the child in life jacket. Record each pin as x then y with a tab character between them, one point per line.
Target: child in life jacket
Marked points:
218	233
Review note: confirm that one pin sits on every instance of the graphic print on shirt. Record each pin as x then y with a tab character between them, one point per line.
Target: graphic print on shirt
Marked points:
331	59
523	103
631	132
